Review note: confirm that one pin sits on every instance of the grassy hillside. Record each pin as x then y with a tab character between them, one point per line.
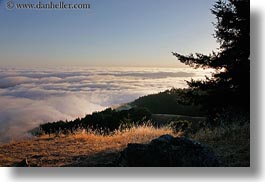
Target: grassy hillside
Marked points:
159	109
231	144
85	142
73	149
165	119
168	102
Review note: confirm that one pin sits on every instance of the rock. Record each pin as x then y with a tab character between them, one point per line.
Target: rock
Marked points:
23	163
164	138
167	151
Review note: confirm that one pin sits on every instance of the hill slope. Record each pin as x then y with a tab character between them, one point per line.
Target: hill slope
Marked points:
168	102
68	150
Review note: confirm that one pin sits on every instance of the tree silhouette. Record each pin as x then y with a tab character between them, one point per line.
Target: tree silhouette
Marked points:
229	85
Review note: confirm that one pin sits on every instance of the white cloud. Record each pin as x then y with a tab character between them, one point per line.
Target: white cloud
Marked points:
29	97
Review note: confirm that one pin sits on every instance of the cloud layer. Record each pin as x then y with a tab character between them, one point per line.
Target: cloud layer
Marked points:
32	96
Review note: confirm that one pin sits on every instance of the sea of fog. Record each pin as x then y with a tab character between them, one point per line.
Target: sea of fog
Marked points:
30	96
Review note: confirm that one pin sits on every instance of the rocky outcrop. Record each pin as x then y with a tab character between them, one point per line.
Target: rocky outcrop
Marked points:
167	151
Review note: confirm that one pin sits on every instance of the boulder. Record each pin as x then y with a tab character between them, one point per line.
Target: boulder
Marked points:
167	151
23	163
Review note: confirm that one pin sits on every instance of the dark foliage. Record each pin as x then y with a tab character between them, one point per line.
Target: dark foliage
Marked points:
181	126
229	85
170	102
104	122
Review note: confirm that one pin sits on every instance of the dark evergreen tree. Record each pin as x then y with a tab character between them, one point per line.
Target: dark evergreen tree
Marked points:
229	85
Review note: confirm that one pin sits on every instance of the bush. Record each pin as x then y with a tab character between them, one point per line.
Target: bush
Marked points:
105	121
181	126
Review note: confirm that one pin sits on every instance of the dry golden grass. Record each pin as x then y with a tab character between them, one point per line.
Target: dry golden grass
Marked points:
65	150
231	143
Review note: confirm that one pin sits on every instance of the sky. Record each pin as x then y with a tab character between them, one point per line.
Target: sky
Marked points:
63	64
110	33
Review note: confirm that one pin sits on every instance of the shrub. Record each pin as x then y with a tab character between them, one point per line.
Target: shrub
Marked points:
105	121
180	126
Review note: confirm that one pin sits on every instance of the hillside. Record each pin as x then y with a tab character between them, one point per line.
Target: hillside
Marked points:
97	150
68	150
168	102
97	139
158	109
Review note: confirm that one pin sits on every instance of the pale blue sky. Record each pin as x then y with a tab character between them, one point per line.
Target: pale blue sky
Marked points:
111	33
